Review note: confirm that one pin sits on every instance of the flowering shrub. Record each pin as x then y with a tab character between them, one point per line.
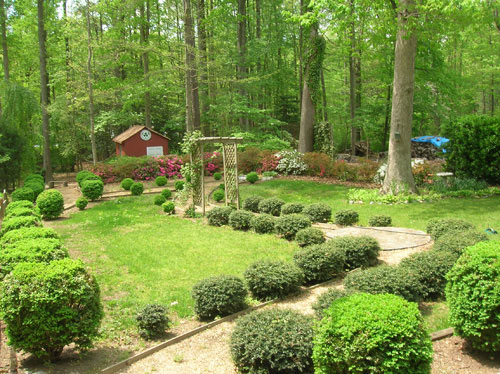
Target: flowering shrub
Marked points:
269	162
213	162
105	172
318	164
344	171
291	163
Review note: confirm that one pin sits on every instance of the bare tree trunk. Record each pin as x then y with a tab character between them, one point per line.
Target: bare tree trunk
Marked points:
91	92
242	51
5	52
399	175
202	47
44	88
352	83
144	35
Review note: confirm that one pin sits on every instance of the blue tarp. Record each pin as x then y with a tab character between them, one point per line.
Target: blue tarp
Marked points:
438	141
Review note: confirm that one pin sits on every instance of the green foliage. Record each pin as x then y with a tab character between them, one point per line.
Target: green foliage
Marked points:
217	176
219	296
346	217
263	223
456	242
28	233
166	193
36	186
152	321
81	175
240	220
34	177
168	207
319	263
159	200
309	236
137	189
127	183
161	181
269	280
81	203
19	204
323	138
380	220
89	177
437	227
288	225
291	208
271	206
19	212
179	185
258	343
219	195
251	203
318	212
219	216
252	177
369	196
15	223
92	189
40	318
51	203
473	295
379	334
325	300
360	251
23	193
445	185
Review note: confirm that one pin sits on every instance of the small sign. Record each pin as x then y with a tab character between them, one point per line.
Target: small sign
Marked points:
154	151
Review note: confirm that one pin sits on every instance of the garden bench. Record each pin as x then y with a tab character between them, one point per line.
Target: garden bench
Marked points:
53	183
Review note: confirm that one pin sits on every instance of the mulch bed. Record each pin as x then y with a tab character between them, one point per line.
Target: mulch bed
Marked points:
331	181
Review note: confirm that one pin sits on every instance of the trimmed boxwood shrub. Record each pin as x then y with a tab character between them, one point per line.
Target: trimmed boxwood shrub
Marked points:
240	220
81	175
251	203
15	223
34	177
159	200
473	296
263	223
51	203
291	208
179	185
288	225
41	321
19	204
127	183
36	187
219	216
22	212
319	212
166	193
217	176
272	341
137	189
309	236
152	321
81	203
90	177
168	207
271	206
28	233
376	334
319	263
439	227
92	189
218	296
269	280
456	242
346	217
219	195
252	177
360	251
161	181
380	221
326	299
23	193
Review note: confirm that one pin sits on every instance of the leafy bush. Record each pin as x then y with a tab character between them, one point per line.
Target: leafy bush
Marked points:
252	177
137	189
23	193
218	296
22	212
28	233
19	204
240	220
375	334
92	189
442	185
263	223
34	177
291	208
380	221
309	236
36	187
288	225
271	206
179	185
319	263
168	207
51	203
161	181
346	217
152	321
326	299
81	175
90	177
166	193
360	251
456	242
222	187
473	295
219	195
127	183
217	176
318	212
159	200
15	223
291	163
269	280
271	174
81	203
438	227
42	321
219	216
251	203
272	341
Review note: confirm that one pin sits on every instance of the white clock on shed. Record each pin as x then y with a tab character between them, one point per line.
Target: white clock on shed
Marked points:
145	134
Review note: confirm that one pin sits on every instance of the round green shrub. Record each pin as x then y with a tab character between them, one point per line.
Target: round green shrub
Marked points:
219	195
127	183
19	204
360	251
137	189
179	185
319	263
159	200
28	233
376	334
34	177
222	187
42	321
251	203
36	187
161	181
81	203
90	177
326	299
23	193
22	212
439	227
271	206
51	203
252	177
217	176
288	225
81	175
346	217
219	296
292	208
269	280
386	279
166	193
263	223
318	212
168	207
272	341
92	189
152	321
219	216
309	236
380	221
456	242
15	223
240	220
473	296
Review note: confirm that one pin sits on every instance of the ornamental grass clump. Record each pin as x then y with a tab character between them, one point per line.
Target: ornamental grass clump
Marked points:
288	225
319	263
251	203
309	236
263	223
439	227
240	220
319	212
152	321
219	216
360	251
271	206
291	208
346	217
51	203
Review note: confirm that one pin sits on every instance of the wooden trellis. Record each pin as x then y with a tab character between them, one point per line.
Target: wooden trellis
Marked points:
230	168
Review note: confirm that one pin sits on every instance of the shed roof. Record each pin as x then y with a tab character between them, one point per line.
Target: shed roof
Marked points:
132	131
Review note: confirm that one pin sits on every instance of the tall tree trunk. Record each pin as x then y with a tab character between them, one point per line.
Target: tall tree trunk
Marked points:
352	82
91	92
323	90
144	35
44	94
242	51
387	117
399	175
192	99
5	52
202	47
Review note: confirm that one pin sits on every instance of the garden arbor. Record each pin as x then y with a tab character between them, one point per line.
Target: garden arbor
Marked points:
230	168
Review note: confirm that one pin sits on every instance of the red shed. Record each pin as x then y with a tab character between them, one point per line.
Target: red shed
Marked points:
141	141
